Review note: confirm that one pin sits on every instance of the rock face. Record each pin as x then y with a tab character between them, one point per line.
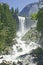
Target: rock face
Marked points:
31	8
32	35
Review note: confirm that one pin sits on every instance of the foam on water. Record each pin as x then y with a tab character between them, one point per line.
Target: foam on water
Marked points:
21	47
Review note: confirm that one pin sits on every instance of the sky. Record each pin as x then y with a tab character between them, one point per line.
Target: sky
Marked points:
20	4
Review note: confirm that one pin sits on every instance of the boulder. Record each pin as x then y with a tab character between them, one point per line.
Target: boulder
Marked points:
1	57
4	62
20	63
40	63
14	63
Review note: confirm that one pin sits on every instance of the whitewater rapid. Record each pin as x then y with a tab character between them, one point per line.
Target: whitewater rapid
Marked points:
21	48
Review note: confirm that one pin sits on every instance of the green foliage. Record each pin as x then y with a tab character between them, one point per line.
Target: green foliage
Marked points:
12	10
38	55
7	26
38	52
17	11
34	16
40	20
31	35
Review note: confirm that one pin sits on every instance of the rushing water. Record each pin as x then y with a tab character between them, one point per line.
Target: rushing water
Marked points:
21	24
20	49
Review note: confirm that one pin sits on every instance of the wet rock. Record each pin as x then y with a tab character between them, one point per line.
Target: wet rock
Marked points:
20	63
27	64
4	62
14	63
23	55
40	63
41	42
1	57
19	48
14	41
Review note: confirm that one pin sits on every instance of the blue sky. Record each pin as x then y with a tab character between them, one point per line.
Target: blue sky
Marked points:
18	3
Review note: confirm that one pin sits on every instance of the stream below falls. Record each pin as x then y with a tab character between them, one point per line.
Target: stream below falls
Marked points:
21	51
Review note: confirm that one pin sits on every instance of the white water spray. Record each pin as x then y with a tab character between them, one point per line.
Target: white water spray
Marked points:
21	31
21	47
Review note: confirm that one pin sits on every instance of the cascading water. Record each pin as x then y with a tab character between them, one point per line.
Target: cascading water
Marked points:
21	26
21	48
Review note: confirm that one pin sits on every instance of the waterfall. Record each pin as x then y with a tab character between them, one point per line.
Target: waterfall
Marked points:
21	26
21	48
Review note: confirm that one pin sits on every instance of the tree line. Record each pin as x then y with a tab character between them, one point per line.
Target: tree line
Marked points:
7	25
